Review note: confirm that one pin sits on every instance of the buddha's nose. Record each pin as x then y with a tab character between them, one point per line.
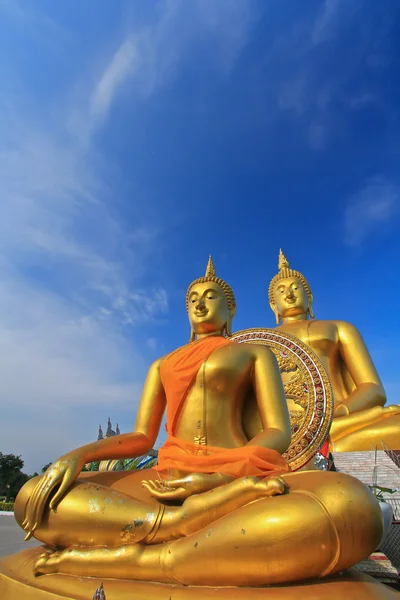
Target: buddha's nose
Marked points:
200	303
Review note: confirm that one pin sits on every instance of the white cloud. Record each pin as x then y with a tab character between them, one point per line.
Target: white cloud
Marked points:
370	210
151	55
332	17
70	269
120	68
69	282
329	44
152	343
363	100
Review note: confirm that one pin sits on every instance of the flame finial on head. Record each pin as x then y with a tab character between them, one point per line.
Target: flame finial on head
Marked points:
211	275
210	270
283	262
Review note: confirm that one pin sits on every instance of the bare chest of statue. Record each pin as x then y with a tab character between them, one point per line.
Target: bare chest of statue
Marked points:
322	338
211	413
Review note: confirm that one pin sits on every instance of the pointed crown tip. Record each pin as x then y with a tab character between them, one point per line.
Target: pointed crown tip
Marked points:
283	262
210	270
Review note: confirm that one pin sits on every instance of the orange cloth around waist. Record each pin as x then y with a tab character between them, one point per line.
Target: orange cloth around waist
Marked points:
237	462
179	370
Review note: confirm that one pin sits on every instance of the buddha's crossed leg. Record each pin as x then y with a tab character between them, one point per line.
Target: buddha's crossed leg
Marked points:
138	554
234	535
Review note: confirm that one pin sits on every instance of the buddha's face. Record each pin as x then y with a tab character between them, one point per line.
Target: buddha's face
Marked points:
208	308
290	298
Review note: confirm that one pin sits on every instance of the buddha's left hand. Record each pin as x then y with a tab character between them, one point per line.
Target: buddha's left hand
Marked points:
61	474
180	489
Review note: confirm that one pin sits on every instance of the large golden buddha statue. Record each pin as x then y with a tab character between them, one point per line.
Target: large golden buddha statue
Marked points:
219	510
361	421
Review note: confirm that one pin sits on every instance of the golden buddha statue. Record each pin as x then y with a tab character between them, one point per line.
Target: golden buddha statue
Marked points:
219	510
361	421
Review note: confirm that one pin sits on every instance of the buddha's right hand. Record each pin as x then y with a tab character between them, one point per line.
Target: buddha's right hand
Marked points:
61	473
180	489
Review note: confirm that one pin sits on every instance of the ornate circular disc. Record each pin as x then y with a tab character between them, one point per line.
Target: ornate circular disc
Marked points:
307	388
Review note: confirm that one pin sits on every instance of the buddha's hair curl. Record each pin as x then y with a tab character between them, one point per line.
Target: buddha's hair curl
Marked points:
228	292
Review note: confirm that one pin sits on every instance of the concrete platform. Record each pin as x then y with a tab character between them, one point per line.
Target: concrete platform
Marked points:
12	536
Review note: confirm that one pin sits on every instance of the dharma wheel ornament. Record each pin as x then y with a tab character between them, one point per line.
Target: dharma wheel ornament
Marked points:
307	389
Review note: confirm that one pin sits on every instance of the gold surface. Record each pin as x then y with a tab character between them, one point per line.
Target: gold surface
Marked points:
17	583
307	390
361	421
197	529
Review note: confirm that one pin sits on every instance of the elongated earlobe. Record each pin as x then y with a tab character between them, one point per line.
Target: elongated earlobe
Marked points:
228	328
277	317
310	310
192	336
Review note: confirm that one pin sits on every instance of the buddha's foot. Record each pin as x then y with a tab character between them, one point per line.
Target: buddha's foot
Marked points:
274	486
393	409
47	563
91	562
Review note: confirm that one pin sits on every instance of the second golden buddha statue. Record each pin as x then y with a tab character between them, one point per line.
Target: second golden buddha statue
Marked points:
361	419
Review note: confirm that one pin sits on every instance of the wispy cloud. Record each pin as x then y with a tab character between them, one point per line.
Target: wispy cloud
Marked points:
120	67
149	57
332	17
72	271
322	85
370	210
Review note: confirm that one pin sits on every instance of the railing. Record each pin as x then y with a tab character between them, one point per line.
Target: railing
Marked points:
391	545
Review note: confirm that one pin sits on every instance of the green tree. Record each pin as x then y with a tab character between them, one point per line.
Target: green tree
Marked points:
11	476
93	466
45	467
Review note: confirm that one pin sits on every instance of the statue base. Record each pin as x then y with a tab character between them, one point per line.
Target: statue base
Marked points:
17	581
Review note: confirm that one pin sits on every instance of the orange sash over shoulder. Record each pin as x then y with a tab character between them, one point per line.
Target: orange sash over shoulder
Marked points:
178	372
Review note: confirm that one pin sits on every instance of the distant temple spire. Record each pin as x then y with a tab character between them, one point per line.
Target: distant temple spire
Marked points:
109	431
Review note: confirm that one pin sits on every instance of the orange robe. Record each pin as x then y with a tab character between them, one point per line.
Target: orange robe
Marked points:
178	372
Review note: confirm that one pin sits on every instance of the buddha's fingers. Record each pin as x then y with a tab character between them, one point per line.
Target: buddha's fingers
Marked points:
157	490
149	486
157	485
28	536
37	502
174	483
60	493
391	410
154	487
276	486
174	494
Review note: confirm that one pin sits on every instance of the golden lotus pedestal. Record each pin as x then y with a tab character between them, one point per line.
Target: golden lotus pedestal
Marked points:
18	583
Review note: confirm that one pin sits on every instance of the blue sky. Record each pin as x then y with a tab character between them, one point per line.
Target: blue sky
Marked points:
138	137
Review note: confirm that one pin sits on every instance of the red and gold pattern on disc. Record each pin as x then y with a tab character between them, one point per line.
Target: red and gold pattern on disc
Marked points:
307	388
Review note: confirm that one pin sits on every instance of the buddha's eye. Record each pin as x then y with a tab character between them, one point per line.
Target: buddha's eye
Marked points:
194	300
282	291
